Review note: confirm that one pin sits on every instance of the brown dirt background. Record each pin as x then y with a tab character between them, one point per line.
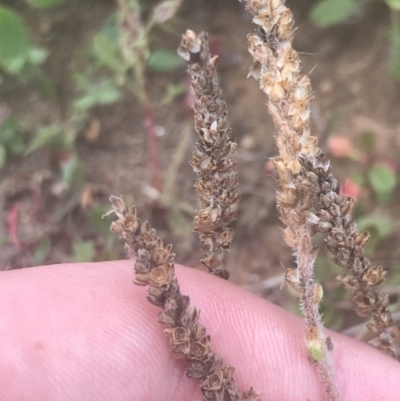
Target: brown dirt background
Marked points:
347	66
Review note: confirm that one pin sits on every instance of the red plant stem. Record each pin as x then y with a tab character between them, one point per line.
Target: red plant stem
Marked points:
154	159
12	220
152	147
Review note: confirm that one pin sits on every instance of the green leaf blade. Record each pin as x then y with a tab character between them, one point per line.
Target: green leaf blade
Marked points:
107	52
331	12
45	3
14	42
164	61
382	179
3	156
44	136
394	4
83	251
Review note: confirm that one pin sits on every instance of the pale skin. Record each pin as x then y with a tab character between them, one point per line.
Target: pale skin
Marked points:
85	332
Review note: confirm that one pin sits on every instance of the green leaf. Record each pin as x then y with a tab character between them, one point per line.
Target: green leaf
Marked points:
331	12
379	227
10	138
110	28
16	146
83	251
382	179
382	225
101	225
172	92
106	92
45	3
164	61
395	4
368	140
72	173
37	55
84	103
82	82
14	42
3	155
44	136
42	250
103	92
316	349
107	52
8	131
394	50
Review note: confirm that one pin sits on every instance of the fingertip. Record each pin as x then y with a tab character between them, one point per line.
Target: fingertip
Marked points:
101	339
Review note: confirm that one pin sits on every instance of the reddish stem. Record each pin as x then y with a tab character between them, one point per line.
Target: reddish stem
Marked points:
152	146
12	220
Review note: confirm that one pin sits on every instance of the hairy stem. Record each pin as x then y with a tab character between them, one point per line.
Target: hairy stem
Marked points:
277	68
133	37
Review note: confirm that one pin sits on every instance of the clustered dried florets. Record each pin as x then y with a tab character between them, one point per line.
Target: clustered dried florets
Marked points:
307	197
212	160
277	68
307	192
334	217
154	267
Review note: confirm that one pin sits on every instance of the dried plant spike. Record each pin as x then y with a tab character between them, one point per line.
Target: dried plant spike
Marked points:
277	68
346	244
154	268
212	160
303	168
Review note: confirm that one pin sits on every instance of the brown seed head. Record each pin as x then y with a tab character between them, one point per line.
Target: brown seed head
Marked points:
131	223
141	278
200	349
161	276
213	382
375	275
362	239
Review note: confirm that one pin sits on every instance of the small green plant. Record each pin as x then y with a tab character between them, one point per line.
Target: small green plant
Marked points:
11	142
92	93
114	66
123	47
383	181
379	174
54	135
83	251
373	176
327	13
379	228
18	56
